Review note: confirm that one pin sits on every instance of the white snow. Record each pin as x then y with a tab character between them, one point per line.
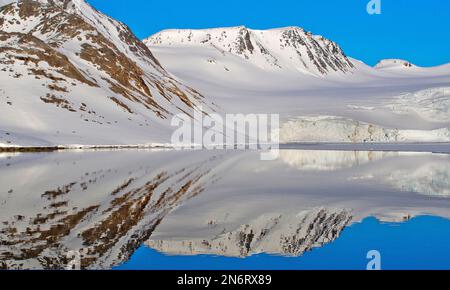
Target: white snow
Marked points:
337	129
407	105
431	104
6	2
392	64
289	48
27	121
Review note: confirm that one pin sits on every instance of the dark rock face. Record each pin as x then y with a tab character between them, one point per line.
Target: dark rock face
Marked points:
324	54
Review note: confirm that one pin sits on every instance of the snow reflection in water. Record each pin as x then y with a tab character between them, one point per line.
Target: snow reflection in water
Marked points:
105	204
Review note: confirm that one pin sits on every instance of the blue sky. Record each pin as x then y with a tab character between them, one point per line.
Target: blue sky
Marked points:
416	30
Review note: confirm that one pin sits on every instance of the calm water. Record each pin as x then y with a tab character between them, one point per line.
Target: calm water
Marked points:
147	209
422	243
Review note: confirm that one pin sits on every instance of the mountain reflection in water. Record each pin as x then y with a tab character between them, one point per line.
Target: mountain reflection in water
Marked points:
106	204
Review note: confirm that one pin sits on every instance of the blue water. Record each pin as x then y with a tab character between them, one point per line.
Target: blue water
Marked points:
421	243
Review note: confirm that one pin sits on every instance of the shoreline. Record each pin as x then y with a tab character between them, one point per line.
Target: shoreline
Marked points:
438	147
37	149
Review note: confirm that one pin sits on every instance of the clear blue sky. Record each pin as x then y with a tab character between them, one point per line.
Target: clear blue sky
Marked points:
416	30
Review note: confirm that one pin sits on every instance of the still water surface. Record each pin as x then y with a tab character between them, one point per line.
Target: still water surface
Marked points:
155	209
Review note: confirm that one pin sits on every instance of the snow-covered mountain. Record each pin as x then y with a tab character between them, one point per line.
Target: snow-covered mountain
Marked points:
71	75
285	48
394	64
320	94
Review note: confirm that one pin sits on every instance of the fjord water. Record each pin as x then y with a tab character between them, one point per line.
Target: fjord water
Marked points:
418	244
166	209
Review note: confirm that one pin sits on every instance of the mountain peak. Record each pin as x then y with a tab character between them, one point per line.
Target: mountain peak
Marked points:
295	28
394	64
281	48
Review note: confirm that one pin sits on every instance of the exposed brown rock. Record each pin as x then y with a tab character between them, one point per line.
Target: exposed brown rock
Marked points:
31	50
59	102
127	65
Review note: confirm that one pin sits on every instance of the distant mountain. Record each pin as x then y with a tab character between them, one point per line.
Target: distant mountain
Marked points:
394	63
71	75
320	94
283	48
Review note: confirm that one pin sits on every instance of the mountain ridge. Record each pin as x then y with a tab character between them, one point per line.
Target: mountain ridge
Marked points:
279	48
390	63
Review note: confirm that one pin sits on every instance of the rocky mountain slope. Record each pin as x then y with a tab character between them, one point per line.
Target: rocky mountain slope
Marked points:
286	48
71	75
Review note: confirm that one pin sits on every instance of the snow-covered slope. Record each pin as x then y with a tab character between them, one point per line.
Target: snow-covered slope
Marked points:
71	75
394	64
286	48
6	2
431	104
237	68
